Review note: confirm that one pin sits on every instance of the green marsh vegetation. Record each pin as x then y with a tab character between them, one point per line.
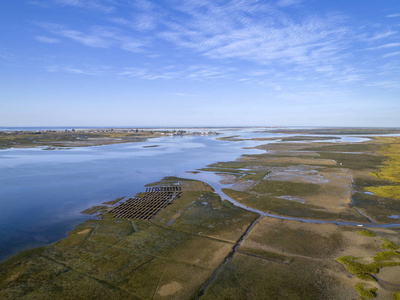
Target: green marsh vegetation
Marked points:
376	167
74	138
365	232
271	204
247	277
390	170
269	255
365	290
112	202
92	210
381	260
338	131
172	255
365	268
132	259
308	138
396	296
281	188
389	245
365	277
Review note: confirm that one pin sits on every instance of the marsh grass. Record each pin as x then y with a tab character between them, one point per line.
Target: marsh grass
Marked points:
269	204
367	233
294	241
112	202
355	147
365	277
308	138
389	245
204	213
396	296
126	259
283	188
379	208
64	139
269	255
93	209
168	180
255	175
365	290
354	161
381	260
247	277
387	255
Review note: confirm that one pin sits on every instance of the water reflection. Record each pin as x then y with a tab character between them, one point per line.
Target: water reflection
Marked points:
43	192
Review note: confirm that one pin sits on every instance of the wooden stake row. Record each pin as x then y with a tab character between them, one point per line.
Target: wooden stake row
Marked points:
146	207
175	188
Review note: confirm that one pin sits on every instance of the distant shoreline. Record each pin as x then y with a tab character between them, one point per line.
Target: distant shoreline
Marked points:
52	139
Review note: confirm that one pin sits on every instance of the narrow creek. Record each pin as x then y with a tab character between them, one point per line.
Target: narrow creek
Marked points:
227	259
213	180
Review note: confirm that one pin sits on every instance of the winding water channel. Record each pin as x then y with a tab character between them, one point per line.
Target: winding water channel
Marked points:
212	178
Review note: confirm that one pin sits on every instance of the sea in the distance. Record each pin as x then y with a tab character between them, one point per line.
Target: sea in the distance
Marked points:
43	192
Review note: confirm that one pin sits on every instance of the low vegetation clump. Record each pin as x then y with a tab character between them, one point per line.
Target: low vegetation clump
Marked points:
396	296
92	210
386	191
386	255
355	267
390	171
366	290
381	260
365	232
365	277
112	202
389	245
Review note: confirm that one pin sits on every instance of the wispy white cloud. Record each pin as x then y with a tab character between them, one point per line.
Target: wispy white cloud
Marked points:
372	37
385	46
256	31
48	40
99	37
88	4
91	40
266	36
387	84
195	73
392	54
139	22
285	3
393	16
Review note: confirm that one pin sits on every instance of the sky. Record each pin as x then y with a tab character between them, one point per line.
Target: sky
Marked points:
138	63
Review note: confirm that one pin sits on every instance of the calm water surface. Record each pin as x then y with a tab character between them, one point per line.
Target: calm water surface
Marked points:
43	192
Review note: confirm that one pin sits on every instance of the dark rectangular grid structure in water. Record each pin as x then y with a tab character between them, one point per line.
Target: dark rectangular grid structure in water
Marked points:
146	207
175	188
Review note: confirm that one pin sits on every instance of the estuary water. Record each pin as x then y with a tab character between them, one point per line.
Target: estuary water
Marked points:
42	192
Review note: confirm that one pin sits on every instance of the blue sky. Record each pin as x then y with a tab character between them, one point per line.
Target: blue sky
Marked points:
199	63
